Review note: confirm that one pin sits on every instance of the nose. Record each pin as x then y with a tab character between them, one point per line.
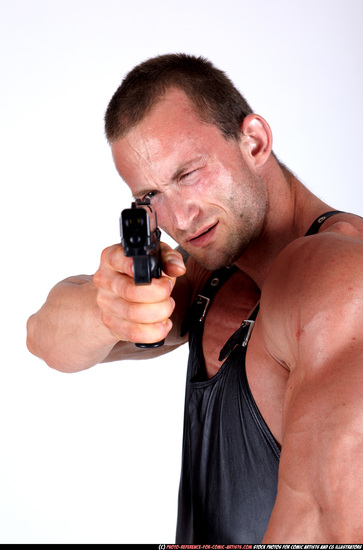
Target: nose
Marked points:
182	210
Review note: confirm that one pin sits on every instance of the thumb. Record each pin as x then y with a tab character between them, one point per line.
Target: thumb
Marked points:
172	260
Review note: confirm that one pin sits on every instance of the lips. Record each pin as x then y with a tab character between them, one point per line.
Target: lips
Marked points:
204	236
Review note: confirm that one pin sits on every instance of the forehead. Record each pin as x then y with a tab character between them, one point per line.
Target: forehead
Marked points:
172	131
174	106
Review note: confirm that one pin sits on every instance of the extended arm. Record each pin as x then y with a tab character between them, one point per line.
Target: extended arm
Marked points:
87	320
68	332
316	295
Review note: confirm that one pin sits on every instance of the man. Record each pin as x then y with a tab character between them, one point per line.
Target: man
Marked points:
273	422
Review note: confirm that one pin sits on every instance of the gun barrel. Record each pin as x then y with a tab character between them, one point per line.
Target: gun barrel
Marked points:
140	237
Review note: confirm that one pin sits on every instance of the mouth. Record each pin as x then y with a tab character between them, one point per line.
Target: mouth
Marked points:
204	236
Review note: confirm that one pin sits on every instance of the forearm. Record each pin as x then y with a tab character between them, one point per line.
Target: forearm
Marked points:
67	332
88	320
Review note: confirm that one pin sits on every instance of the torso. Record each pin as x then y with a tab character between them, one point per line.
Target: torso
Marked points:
223	425
293	297
218	326
266	377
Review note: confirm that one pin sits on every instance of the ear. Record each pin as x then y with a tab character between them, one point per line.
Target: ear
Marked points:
256	140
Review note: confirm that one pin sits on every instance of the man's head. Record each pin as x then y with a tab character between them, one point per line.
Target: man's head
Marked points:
213	95
190	143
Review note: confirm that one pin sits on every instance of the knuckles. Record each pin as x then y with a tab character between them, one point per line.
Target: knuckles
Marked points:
98	278
134	332
149	313
124	287
134	313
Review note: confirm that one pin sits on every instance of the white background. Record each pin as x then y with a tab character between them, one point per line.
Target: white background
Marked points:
94	457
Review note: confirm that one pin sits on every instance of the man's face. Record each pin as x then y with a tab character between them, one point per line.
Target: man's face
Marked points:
205	196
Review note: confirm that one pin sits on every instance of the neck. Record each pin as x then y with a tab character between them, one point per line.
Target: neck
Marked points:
291	209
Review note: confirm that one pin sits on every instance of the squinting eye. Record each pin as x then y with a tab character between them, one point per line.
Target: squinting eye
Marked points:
149	195
188	174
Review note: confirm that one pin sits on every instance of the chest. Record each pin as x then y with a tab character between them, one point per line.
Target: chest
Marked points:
231	305
267	380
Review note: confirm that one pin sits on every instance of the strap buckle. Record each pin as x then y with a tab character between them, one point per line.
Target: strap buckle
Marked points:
248	323
200	300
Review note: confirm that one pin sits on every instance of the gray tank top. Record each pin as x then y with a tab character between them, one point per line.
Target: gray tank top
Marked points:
230	459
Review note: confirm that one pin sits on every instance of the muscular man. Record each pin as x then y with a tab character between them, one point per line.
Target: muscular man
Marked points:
273	277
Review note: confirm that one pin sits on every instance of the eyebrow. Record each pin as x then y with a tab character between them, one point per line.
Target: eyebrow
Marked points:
178	172
185	166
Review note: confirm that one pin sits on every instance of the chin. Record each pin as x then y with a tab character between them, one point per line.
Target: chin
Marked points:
214	261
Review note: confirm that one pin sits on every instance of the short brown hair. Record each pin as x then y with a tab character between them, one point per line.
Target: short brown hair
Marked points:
216	99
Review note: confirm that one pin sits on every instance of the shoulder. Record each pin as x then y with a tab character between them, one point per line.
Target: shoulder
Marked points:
312	298
312	319
325	256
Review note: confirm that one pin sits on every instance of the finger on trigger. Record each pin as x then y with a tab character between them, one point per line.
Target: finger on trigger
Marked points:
119	262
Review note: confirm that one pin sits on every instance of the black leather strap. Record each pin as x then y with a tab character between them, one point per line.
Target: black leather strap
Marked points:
242	335
198	309
315	226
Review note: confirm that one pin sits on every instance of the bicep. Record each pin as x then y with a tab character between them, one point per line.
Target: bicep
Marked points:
316	330
320	487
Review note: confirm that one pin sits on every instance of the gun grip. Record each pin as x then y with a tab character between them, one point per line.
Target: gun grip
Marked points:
142	274
155	345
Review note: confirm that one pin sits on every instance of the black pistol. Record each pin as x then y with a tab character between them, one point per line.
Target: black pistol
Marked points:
140	238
